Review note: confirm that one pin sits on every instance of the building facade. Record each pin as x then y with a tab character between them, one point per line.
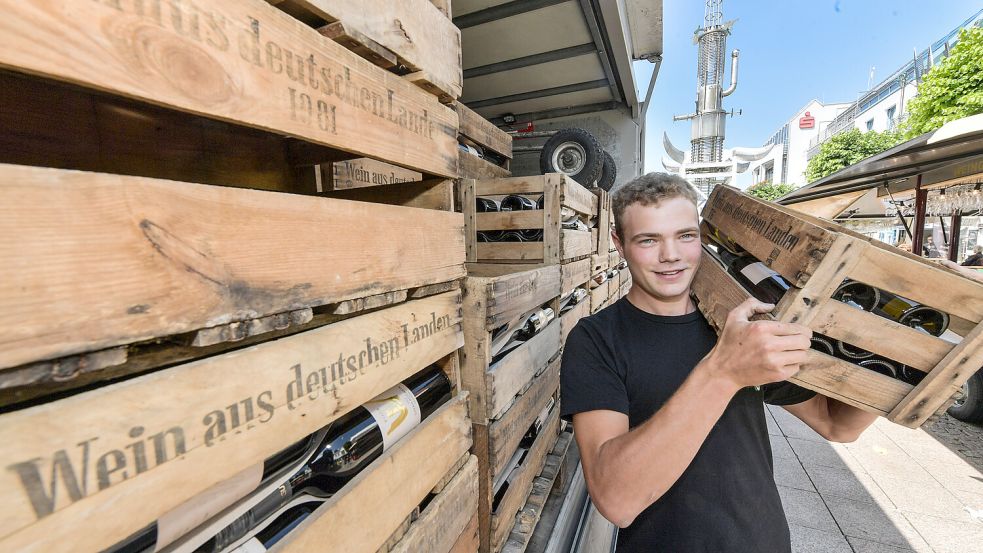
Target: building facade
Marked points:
787	161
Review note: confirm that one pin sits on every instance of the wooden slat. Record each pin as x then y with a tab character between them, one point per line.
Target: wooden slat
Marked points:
569	319
936	388
90	261
509	251
244	407
471	166
866	330
503	517
512	185
509	220
428	194
505	433
573	275
510	375
790	246
574	195
598	296
356	41
421	36
552	217
466	193
922	282
574	244
240	61
447	517
479	130
363	514
514	294
364	172
468	542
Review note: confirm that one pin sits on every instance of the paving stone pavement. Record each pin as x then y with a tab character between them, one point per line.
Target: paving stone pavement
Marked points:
894	490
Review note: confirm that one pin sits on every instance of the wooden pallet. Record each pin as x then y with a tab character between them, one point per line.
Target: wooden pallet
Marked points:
242	62
816	256
142	258
496	295
496	521
558	245
217	416
528	517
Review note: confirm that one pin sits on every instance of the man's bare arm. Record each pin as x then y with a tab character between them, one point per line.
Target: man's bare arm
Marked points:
627	471
832	419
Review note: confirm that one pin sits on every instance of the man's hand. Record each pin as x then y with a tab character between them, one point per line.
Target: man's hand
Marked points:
752	353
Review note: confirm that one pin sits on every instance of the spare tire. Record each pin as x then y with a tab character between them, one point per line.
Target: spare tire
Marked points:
608	173
573	152
970	407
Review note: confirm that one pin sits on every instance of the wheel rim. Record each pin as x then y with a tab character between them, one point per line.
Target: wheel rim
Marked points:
569	158
959	402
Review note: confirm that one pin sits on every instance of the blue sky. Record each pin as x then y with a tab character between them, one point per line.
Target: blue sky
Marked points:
791	52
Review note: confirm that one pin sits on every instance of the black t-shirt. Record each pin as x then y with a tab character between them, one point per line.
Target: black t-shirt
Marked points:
626	360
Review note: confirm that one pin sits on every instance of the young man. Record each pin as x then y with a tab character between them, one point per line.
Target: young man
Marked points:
667	416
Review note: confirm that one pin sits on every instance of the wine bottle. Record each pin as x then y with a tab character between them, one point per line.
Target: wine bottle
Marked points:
823	344
514	202
612	273
537	322
850	352
911	313
187	516
486	205
574	298
763	283
910	375
721	239
275	531
598	279
879	365
857	294
354	441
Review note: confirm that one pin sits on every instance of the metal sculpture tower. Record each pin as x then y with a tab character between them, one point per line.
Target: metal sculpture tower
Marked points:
707	156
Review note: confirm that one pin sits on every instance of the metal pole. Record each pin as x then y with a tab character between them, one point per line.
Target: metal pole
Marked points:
955	225
920	198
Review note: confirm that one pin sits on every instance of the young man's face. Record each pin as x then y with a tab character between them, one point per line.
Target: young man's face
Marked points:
662	246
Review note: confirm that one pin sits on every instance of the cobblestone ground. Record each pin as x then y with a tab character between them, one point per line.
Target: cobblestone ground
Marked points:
963	438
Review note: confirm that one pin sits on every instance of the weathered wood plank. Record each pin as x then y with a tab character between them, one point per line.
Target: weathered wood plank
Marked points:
505	433
574	195
245	406
416	31
447	517
471	166
363	514
469	539
90	261
240	61
573	275
509	251
510	375
574	244
429	194
365	172
570	319
479	130
518	291
508	220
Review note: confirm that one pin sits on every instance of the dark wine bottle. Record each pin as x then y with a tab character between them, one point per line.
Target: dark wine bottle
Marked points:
514	202
486	205
850	352
537	322
185	517
722	240
911	313
566	304
275	531
354	441
823	344
857	294
882	366
911	375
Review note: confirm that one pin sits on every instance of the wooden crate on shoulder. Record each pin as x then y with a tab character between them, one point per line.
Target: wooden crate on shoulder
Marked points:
217	416
558	245
494	144
816	257
496	516
494	296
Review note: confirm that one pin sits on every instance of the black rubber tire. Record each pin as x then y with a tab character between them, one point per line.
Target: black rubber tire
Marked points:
593	155
609	171
971	409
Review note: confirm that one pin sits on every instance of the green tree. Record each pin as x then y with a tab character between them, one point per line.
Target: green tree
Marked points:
952	90
769	191
847	148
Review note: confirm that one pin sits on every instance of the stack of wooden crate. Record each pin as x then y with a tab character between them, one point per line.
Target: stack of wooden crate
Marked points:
610	279
816	257
164	337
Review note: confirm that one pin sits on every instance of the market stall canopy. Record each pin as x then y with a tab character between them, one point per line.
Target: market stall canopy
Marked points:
948	156
536	59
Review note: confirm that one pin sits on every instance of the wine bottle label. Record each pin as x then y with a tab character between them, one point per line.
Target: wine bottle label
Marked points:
190	514
396	412
251	546
756	272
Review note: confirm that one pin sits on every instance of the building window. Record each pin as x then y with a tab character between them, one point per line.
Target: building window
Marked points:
870	124
890	116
